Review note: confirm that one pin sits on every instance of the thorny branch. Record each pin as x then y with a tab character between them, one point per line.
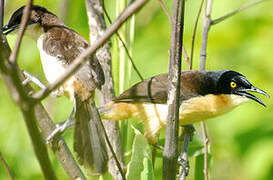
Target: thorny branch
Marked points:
170	148
130	10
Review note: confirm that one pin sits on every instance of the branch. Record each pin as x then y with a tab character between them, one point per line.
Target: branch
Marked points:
194	32
97	28
170	148
203	56
6	167
125	47
165	10
130	10
10	75
232	13
206	152
21	32
185	54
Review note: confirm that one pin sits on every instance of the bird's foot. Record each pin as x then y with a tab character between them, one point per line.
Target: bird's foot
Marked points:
31	78
60	128
184	163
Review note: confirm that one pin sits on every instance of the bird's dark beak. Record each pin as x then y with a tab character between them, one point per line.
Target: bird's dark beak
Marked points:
8	29
243	92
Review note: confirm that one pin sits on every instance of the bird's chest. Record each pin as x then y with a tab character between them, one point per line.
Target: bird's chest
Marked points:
54	68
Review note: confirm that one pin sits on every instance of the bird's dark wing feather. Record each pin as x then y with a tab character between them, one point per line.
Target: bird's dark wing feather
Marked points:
67	45
155	89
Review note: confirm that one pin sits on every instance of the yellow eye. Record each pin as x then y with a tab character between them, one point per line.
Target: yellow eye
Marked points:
233	84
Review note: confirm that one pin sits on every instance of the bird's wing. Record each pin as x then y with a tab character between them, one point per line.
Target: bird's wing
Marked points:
67	45
155	89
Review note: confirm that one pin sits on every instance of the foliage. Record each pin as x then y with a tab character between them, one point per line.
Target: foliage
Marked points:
241	142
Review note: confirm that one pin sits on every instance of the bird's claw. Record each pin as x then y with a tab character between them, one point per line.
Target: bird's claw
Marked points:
184	164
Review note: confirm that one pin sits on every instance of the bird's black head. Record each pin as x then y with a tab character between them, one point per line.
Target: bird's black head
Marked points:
231	82
36	15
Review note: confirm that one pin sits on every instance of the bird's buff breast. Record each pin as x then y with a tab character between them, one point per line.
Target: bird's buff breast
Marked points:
191	111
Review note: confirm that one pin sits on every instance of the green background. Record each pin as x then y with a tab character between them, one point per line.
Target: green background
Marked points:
241	142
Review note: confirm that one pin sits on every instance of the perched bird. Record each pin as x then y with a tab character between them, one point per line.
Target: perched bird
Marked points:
59	46
204	94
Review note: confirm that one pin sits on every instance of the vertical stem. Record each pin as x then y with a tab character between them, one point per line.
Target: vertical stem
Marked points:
203	57
171	142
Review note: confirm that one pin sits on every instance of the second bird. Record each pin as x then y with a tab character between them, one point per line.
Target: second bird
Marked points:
59	46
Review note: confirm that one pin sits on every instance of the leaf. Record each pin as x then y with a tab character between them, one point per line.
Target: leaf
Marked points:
141	161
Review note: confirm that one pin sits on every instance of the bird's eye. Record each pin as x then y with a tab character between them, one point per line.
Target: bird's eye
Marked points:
233	84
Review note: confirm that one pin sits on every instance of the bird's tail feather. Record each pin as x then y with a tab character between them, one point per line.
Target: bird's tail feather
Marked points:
89	143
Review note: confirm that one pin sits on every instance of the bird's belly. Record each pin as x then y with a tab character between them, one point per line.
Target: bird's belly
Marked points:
191	111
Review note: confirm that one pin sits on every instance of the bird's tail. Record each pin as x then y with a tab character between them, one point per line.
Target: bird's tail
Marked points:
89	142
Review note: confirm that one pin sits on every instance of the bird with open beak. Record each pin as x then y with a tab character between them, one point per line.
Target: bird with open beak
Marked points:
59	46
203	95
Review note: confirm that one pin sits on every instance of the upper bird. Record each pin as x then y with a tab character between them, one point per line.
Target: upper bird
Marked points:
59	46
204	94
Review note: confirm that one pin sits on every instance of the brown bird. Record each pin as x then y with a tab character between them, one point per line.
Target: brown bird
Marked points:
59	46
204	94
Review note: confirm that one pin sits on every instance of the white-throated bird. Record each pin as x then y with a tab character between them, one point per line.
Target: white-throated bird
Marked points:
204	94
59	46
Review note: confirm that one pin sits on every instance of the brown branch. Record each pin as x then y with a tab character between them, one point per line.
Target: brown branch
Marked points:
130	10
206	27
21	32
10	75
6	167
194	32
97	28
203	57
232	13
170	148
125	48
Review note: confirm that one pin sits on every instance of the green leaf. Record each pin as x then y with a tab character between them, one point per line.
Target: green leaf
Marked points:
141	161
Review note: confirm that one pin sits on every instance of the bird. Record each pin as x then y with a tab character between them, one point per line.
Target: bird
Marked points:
59	45
203	95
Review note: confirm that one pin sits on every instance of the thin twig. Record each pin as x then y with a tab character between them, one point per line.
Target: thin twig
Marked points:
171	142
194	32
250	4
2	4
206	27
125	48
6	167
21	32
206	152
10	75
130	10
165	10
203	57
185	54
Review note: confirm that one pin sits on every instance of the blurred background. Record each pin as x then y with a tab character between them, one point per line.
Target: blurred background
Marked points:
241	142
